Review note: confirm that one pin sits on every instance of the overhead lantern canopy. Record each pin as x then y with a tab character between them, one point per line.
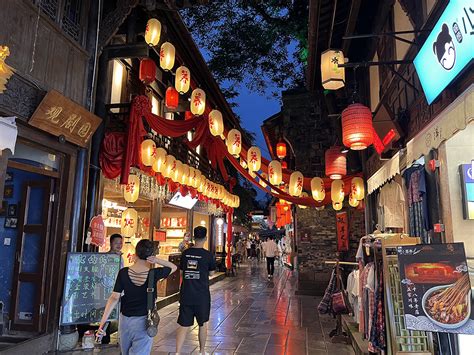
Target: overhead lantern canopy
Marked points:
147	72
296	183
317	189
131	191
153	32
171	98
254	159
337	191
182	80
159	162
198	102
332	76
216	123
335	163
234	142
281	149
357	188
274	172
357	129
167	56
148	152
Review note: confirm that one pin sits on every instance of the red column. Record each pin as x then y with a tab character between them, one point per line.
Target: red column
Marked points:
228	260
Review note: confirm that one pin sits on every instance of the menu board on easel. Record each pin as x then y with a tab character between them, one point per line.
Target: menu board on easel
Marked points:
435	287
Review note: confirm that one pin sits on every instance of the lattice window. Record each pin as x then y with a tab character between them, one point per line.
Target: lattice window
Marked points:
71	21
49	7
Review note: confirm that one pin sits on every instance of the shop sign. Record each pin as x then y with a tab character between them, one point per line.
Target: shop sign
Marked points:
97	229
466	171
342	227
447	50
61	116
435	288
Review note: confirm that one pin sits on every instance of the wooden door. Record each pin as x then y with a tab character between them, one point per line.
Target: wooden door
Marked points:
28	307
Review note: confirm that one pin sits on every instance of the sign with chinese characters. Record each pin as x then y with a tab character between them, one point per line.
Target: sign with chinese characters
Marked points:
447	50
342	227
97	231
90	279
435	288
61	116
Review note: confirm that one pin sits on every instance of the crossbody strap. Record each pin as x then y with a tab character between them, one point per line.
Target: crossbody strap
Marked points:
150	290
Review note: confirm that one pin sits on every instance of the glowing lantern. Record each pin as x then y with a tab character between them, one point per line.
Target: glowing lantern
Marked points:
171	98
153	32
160	159
5	70
243	163
335	163
167	55
147	73
129	222
332	76
132	189
281	150
148	148
337	206
182	79
254	159
234	142
317	189
357	188
261	182
353	202
175	173
274	172
202	184
337	191
169	164
296	183
216	124
184	178
198	102
197	178
303	195
357	129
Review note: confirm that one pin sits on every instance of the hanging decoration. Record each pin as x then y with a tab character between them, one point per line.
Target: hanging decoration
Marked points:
148	153
274	172
168	166
254	159
198	102
153	32
332	76
171	98
147	72
160	158
5	70
216	124
335	163
337	206
337	191
353	202
317	189
234	142
243	163
184	178
132	189
129	222
175	172
167	56
357	188
281	149
357	128
296	184
182	80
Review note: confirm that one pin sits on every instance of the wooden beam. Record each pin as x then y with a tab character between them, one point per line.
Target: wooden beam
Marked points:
351	23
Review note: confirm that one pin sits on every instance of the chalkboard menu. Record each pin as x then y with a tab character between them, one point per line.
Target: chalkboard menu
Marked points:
90	279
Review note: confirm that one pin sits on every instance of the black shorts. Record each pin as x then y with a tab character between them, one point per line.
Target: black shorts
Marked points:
187	313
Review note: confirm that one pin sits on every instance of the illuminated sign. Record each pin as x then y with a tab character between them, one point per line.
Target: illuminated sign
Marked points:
466	171
447	50
183	201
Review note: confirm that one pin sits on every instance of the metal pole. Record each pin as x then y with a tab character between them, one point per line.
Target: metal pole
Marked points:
371	63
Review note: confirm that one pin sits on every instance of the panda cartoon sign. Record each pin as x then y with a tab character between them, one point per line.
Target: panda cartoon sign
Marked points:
447	50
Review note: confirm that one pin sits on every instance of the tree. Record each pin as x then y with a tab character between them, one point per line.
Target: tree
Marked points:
256	43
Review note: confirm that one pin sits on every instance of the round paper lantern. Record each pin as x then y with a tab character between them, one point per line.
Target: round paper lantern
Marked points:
274	172
263	183
168	165
317	189
303	194
182	79
160	159
176	171
353	202
216	124
337	191
132	189
281	150
147	72
332	76
337	206
198	102
184	178
148	152
357	129
171	98
335	163
167	55
202	185
296	183
234	142
254	159
197	178
357	188
153	32
129	222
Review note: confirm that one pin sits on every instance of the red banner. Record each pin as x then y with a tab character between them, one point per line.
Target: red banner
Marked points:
342	227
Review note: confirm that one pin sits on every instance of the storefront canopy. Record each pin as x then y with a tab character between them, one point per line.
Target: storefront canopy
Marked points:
385	173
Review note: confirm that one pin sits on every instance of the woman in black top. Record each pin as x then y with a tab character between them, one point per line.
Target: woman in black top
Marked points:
131	289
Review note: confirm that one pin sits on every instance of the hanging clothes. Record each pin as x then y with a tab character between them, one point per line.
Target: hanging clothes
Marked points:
353	292
392	201
325	306
377	334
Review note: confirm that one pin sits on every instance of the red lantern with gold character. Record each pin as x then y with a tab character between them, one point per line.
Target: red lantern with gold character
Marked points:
281	150
147	71
357	129
335	163
172	98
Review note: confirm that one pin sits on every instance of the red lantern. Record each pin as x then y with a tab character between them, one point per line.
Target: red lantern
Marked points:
147	71
357	129
335	163
281	150
172	98
188	115
284	165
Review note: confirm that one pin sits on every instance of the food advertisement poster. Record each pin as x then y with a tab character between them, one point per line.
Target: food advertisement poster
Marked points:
436	288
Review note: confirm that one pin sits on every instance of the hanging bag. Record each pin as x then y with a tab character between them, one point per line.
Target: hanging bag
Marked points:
340	300
153	318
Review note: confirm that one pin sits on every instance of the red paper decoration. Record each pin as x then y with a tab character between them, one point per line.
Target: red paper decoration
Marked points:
172	98
284	165
335	163
357	129
188	115
281	150
147	71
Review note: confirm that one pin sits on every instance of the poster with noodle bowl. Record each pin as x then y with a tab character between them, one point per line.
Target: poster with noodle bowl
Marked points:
435	287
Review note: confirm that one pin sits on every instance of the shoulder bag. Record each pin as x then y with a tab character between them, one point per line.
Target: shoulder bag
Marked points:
153	318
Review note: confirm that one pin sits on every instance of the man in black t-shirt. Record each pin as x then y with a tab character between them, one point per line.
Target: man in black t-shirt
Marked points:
195	298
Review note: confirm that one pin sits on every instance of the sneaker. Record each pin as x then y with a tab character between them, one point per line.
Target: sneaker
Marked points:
269	277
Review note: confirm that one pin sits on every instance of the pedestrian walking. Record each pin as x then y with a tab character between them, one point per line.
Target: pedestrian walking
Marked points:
249	249
271	251
195	298
133	283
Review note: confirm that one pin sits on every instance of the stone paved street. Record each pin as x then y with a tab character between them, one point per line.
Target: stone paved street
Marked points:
251	315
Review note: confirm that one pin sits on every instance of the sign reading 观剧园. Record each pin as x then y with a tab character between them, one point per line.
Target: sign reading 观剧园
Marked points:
447	50
61	116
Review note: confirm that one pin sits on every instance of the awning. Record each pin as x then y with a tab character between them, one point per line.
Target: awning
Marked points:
385	173
453	119
8	133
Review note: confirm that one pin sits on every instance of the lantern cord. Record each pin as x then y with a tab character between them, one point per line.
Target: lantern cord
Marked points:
36	37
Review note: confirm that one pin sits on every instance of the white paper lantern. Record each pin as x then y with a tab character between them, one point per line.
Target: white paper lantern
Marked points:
296	183
337	191
357	188
274	172
317	189
167	56
131	191
234	142
153	32
148	152
159	162
254	159
129	222
198	102
216	123
332	76
182	80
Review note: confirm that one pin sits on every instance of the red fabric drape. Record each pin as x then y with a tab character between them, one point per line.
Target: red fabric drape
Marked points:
111	154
